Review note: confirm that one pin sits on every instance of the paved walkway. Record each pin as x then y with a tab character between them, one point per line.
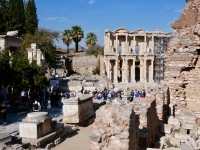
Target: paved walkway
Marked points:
14	120
77	141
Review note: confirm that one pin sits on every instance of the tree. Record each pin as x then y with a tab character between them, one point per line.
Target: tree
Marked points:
42	36
91	39
31	17
77	34
3	16
16	15
5	70
67	39
95	50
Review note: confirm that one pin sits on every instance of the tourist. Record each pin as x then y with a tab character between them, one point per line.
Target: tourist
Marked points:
3	112
137	95
36	106
67	94
48	106
99	96
144	93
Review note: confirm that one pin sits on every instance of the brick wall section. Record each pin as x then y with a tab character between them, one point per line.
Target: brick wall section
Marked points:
115	127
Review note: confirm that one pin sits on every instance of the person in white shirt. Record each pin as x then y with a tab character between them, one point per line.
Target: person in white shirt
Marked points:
36	106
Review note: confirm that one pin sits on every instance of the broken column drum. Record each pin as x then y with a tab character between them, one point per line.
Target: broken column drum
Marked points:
77	109
35	125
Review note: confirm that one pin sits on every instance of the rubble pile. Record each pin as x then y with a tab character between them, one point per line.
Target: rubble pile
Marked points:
115	127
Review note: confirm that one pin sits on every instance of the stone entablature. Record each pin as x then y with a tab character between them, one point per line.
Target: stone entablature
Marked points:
85	64
129	56
37	53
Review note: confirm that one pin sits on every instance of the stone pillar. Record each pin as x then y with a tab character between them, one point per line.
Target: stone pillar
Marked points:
134	43
116	71
108	69
133	72
116	43
141	70
145	70
151	71
126	71
123	70
145	44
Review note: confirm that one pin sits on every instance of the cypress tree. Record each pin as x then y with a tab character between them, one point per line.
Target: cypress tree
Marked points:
3	16
31	17
16	15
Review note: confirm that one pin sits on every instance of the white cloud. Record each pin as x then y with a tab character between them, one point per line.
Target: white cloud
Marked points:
59	19
91	1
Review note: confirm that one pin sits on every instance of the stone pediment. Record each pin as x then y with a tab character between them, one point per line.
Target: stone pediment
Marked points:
122	30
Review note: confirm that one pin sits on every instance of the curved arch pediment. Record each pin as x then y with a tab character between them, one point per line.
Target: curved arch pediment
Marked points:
122	30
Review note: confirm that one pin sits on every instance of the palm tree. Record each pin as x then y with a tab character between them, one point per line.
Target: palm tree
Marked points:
91	39
67	39
77	34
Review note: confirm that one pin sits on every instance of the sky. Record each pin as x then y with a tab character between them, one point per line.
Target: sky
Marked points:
98	15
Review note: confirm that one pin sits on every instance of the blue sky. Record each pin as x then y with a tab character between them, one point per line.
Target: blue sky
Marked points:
97	15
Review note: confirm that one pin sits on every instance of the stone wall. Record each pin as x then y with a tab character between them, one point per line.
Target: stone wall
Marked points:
115	127
85	64
182	76
182	61
148	128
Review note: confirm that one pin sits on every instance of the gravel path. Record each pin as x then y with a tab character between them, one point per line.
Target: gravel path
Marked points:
77	141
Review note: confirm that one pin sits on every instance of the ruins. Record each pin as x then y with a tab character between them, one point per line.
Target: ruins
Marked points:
37	53
11	40
131	57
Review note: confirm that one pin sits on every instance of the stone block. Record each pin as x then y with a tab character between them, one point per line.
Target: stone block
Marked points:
5	137
188	126
35	125
77	109
181	136
173	121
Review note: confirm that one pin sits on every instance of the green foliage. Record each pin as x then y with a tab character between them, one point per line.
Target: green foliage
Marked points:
77	34
3	16
16	15
5	70
169	144
45	37
95	50
66	38
96	71
31	17
91	39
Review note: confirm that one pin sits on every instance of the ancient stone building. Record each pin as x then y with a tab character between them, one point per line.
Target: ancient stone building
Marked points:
37	53
129	56
11	40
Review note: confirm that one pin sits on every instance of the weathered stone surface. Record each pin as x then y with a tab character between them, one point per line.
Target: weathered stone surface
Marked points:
77	109
35	125
95	138
5	137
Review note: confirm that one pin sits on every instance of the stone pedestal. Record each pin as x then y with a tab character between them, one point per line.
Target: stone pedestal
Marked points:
126	98
35	125
77	109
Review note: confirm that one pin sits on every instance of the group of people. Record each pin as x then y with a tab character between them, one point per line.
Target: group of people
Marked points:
108	94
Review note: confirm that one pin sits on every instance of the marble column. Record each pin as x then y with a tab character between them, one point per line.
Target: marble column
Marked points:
133	72
116	71
116	43
126	71
141	70
108	69
123	70
134	43
151	71
145	70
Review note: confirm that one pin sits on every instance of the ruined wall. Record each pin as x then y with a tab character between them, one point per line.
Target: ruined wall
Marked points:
115	127
85	64
182	61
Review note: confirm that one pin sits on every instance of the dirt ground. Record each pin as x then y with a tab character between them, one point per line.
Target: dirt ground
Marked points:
77	141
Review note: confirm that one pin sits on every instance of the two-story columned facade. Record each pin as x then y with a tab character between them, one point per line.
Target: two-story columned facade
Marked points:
129	56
